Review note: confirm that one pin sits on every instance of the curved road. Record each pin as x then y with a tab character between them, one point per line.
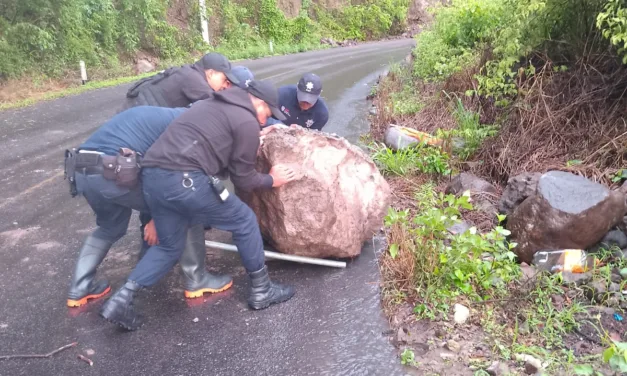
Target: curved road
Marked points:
333	326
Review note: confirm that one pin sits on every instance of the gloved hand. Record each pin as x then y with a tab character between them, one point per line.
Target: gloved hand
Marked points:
150	233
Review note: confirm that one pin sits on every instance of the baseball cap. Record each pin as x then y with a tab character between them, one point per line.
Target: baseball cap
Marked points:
220	63
243	75
309	88
265	91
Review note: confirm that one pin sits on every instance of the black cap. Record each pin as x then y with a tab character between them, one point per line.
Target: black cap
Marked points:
266	91
220	63
309	88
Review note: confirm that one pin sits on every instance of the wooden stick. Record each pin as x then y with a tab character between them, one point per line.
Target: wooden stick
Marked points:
48	355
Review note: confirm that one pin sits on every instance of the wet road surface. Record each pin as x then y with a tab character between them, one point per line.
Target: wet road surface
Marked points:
333	326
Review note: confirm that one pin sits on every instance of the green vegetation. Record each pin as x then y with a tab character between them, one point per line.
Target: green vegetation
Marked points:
419	159
46	37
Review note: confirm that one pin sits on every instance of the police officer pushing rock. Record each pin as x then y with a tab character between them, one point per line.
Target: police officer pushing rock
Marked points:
95	169
182	86
215	137
301	105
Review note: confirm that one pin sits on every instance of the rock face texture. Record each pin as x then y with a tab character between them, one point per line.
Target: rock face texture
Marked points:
518	189
566	211
338	201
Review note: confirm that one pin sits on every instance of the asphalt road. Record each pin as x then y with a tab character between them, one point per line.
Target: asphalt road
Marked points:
333	326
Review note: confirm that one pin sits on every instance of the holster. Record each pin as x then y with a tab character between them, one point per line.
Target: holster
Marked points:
127	168
69	167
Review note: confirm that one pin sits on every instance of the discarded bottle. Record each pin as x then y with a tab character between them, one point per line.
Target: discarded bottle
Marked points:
564	260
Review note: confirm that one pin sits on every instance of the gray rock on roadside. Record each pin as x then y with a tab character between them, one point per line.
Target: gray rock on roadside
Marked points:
517	190
498	369
532	365
567	212
481	191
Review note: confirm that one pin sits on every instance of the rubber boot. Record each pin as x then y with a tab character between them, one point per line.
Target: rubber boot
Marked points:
197	280
264	292
119	309
83	287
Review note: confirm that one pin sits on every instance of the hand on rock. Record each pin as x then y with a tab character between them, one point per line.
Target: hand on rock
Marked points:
281	175
150	233
294	126
272	127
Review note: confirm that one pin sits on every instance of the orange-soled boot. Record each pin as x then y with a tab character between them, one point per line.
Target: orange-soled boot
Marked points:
197	280
83	286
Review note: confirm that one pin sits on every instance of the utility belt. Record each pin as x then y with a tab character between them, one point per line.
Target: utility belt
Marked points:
216	185
123	168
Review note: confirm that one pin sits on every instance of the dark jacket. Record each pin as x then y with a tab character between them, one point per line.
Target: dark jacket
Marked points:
175	87
217	136
137	129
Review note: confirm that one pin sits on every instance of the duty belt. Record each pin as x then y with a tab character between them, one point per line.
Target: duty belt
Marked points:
90	162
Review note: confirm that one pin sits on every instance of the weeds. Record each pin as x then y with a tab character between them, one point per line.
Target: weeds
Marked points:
410	161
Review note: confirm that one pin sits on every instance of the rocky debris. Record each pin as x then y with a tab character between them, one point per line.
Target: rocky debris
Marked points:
481	192
528	271
517	190
453	346
462	314
596	291
577	278
567	212
144	66
459	228
337	202
532	365
498	369
614	238
405	336
623	273
373	111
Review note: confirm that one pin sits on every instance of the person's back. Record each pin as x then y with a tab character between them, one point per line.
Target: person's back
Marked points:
136	128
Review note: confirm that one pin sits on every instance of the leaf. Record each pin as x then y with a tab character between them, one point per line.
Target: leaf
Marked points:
583	369
394	250
608	354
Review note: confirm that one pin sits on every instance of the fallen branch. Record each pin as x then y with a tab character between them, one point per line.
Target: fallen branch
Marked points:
48	355
85	359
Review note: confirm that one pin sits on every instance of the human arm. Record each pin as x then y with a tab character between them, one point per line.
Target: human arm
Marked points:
194	87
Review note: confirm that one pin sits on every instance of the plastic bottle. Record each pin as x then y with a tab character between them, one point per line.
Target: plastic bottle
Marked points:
564	260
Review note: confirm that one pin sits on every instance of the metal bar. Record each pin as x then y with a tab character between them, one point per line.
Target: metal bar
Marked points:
281	256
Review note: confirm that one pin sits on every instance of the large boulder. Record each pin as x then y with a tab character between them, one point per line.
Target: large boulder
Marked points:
566	212
518	189
337	203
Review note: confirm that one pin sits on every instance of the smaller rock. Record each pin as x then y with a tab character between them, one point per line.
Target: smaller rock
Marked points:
616	278
623	273
195	319
447	356
614	287
523	328
532	365
557	300
613	301
405	336
373	111
517	190
453	346
577	278
465	181
144	66
614	238
89	352
498	369
596	290
530	272
440	333
462	314
459	228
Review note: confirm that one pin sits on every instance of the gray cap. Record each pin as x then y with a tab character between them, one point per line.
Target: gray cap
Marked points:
309	88
268	93
244	75
220	63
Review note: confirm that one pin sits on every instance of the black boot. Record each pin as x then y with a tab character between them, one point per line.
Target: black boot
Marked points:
264	292
83	287
197	280
119	309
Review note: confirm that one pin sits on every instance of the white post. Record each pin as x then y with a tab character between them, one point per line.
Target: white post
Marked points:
203	21
83	72
271	48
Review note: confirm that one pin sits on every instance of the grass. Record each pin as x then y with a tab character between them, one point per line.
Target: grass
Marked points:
252	52
72	91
